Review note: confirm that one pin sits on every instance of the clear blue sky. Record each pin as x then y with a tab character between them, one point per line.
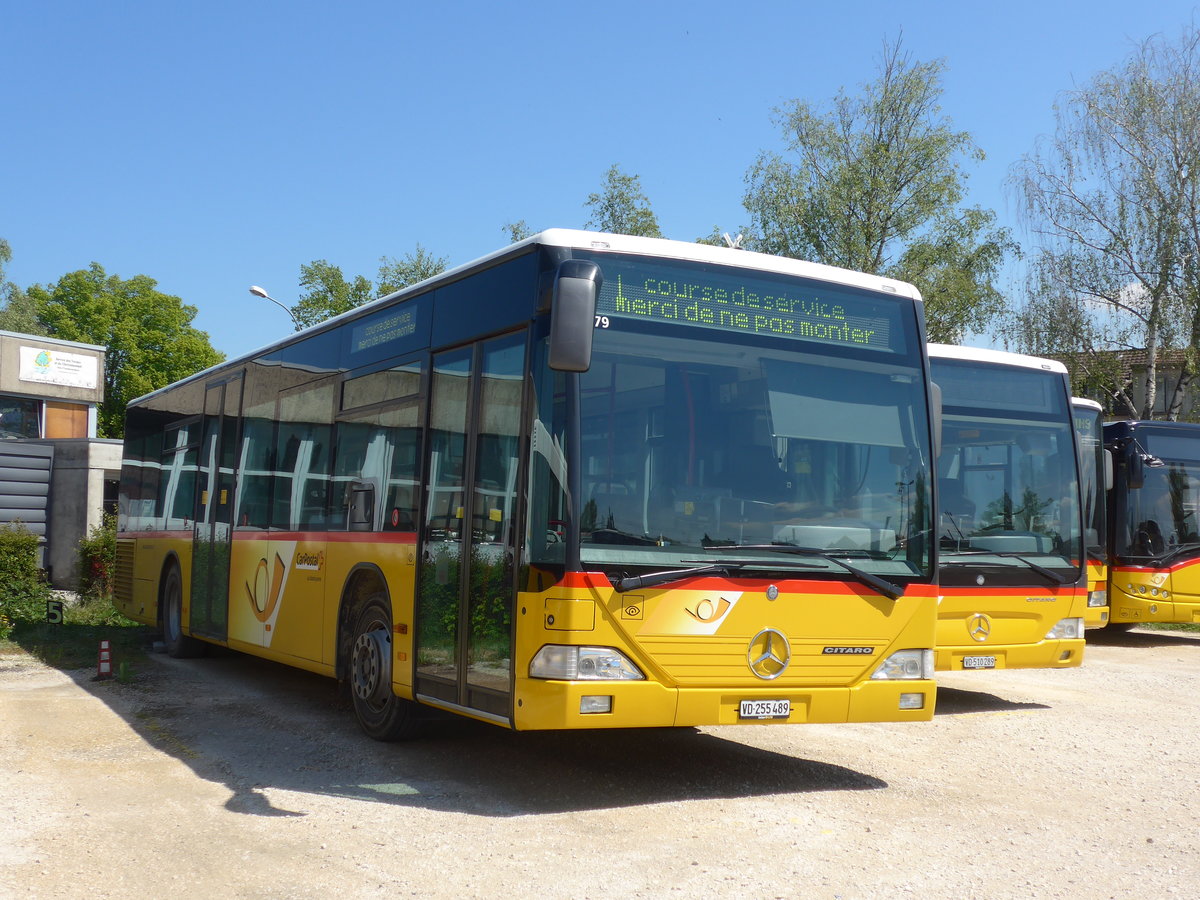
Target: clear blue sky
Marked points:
216	145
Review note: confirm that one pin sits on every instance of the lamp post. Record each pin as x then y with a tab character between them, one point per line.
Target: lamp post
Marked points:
262	292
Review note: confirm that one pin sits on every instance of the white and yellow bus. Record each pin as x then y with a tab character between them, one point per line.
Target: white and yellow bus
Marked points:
1095	479
1010	570
1154	538
587	481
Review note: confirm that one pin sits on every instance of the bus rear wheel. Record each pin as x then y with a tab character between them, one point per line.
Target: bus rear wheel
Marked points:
381	714
179	645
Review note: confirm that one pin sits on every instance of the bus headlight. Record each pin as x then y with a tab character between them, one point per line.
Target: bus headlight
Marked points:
1098	598
1067	629
906	665
566	663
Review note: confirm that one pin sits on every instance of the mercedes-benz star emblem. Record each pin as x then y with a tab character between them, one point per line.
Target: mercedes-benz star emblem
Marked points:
979	627
769	654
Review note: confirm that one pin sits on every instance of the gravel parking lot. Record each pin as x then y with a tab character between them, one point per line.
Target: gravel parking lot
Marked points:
230	777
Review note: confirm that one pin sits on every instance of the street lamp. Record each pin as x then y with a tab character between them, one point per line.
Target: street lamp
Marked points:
262	292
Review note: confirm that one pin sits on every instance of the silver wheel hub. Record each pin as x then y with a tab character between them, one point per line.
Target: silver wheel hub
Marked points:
371	670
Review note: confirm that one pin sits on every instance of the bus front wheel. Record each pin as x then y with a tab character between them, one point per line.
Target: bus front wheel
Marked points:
179	645
381	714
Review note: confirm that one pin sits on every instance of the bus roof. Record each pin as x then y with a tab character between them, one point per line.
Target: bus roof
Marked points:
995	357
1085	403
596	241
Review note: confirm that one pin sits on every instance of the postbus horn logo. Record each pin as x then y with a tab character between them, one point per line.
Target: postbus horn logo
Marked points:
264	596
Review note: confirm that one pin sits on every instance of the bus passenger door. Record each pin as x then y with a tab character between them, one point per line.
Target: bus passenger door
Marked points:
466	588
213	531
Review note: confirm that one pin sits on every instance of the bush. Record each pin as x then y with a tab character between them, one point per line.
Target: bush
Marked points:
23	590
98	559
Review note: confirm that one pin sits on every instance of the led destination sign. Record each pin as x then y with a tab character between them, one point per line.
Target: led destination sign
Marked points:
794	308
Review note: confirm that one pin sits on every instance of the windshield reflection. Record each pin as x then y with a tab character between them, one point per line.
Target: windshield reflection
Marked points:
692	446
1161	516
1008	494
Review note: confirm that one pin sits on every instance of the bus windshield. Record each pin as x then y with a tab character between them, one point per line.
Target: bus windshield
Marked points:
1007	474
696	448
1160	517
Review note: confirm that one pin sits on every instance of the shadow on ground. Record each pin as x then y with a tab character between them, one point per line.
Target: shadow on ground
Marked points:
956	701
253	725
1143	637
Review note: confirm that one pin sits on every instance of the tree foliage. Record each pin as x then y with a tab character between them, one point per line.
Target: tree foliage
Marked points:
1114	201
620	207
874	183
517	231
17	310
148	335
326	292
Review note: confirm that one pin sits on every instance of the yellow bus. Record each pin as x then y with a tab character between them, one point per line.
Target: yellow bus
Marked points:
1154	539
1010	564
1095	479
587	481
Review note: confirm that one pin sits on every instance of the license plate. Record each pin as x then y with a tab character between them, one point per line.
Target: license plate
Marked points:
765	709
979	662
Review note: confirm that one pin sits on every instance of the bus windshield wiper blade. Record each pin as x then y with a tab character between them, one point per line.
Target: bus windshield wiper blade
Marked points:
1048	574
1178	550
633	582
892	591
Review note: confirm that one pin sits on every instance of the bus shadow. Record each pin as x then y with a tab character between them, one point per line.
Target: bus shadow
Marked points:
259	728
1143	637
957	702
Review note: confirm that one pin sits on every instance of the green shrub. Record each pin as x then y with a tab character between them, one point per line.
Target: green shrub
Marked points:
98	559
23	590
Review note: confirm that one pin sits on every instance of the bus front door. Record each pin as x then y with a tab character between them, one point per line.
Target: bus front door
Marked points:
466	590
213	530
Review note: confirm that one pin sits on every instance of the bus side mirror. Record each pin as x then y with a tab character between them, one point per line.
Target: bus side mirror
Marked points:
1108	470
1135	468
573	315
935	413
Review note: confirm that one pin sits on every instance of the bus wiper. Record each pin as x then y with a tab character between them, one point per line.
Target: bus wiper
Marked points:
633	582
1178	551
894	592
1048	574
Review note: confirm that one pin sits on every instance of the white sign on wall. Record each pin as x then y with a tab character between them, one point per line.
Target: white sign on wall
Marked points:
56	367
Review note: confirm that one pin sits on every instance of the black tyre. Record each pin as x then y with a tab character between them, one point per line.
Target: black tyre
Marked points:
381	714
179	645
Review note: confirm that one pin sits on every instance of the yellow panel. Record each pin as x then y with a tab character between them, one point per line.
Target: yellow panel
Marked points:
570	615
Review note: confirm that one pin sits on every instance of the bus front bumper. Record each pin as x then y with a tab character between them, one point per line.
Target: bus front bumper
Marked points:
561	705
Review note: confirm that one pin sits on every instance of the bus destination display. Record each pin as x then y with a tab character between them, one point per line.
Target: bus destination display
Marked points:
718	299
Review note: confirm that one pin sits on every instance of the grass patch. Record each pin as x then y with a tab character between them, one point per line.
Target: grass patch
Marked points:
75	643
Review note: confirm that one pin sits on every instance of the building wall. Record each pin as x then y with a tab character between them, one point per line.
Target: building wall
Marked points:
76	501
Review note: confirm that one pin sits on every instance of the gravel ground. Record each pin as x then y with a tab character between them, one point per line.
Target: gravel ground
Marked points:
231	777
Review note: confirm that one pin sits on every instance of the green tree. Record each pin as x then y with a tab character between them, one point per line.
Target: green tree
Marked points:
621	207
148	335
327	292
397	274
17	311
517	231
875	183
1113	199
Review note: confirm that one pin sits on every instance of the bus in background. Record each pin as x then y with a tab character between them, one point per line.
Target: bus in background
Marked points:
1010	530
587	481
1154	541
1095	478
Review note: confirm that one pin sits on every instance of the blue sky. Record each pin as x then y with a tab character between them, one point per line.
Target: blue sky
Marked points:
216	145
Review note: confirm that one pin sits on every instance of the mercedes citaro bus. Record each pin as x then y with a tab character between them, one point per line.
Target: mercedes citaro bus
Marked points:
587	481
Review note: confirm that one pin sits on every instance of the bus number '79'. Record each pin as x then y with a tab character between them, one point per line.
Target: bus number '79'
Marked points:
601	321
